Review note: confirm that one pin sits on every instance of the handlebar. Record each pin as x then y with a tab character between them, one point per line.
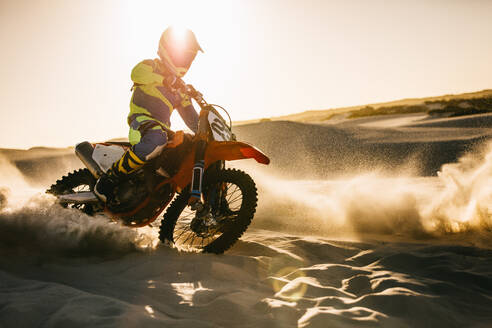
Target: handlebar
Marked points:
175	82
179	85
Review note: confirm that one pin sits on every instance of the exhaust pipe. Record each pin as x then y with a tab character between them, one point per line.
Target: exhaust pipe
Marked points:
84	152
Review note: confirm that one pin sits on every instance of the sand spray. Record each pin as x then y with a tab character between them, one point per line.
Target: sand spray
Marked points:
32	223
457	201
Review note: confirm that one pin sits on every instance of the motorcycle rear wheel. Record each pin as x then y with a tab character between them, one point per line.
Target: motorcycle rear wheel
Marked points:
241	196
79	180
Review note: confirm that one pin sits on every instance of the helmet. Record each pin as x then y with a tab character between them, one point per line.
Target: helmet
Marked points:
178	48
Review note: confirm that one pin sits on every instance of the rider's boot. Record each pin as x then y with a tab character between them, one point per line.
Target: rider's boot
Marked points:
128	163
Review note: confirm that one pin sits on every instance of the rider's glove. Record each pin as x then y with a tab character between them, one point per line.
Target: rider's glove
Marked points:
170	80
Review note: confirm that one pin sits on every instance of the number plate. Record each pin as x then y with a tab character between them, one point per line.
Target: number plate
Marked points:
219	129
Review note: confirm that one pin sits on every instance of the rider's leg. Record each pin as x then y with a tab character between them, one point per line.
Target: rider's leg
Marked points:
151	143
147	145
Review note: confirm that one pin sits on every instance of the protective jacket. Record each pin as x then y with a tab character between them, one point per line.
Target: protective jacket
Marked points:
152	100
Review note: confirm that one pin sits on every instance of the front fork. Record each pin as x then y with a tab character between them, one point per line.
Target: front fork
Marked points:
198	203
199	167
198	170
206	211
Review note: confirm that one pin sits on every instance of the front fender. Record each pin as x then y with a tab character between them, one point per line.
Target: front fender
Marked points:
233	150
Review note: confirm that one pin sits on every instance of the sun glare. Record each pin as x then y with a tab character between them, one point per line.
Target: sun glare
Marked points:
179	33
216	30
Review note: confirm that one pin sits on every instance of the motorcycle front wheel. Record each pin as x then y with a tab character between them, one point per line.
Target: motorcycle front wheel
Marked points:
231	197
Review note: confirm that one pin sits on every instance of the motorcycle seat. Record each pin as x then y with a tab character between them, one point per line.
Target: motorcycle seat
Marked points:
119	143
176	139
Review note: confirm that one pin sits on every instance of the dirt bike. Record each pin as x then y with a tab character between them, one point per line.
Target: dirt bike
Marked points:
229	196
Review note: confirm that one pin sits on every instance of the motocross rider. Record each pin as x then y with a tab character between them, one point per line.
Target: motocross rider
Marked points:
152	103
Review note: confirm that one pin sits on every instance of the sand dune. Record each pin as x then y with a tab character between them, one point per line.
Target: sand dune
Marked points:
311	150
267	280
362	223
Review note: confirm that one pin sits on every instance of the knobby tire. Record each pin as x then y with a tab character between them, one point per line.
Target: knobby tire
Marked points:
233	231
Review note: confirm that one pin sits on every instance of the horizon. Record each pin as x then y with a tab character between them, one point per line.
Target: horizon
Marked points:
253	120
262	58
380	103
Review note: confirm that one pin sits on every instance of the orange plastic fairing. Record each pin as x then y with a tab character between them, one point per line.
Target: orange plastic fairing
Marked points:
216	151
176	140
233	150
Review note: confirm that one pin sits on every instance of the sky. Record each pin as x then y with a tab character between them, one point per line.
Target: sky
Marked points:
65	64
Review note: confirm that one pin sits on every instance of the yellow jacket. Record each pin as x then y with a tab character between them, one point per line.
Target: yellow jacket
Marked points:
152	99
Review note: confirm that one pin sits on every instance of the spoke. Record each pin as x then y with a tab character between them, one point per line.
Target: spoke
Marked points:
192	235
234	193
182	226
236	188
229	195
232	200
235	207
182	232
240	196
187	215
185	237
176	239
185	221
189	233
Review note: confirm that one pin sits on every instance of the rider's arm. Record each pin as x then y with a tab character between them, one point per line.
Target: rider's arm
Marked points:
146	73
188	113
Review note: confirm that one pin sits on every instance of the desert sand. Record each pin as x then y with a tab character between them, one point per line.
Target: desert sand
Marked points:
375	222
